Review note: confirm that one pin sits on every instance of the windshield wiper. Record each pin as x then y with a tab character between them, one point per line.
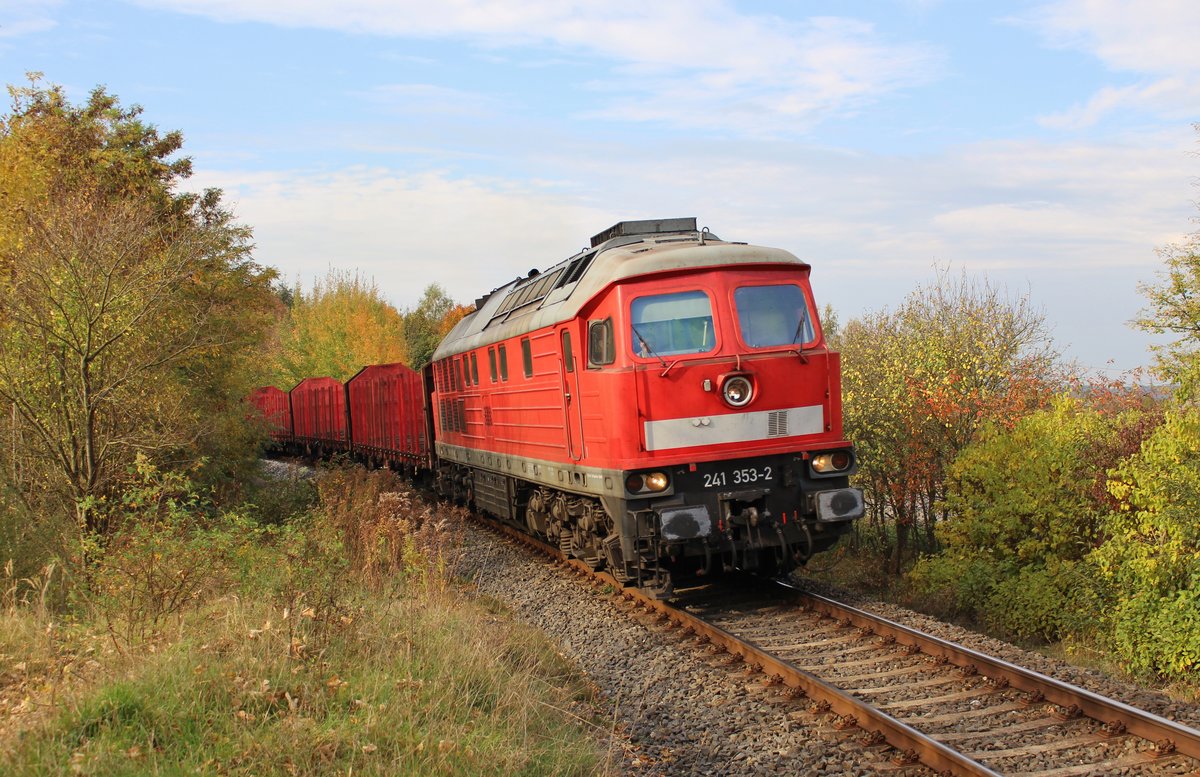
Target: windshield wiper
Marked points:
646	347
796	338
799	329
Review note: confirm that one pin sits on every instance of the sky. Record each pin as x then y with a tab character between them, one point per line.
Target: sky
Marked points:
1045	146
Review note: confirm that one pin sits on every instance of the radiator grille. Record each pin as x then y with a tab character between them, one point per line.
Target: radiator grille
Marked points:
777	423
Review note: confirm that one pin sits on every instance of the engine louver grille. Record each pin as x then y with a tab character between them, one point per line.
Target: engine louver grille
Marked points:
777	424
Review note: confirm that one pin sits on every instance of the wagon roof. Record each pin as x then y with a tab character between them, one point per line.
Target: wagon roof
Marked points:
521	306
324	380
371	369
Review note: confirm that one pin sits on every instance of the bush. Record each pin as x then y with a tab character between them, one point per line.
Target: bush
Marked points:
273	499
1041	603
1151	558
165	551
1023	512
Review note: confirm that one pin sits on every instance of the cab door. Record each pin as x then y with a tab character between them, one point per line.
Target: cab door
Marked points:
572	409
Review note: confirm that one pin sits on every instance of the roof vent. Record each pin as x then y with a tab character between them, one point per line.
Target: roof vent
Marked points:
645	227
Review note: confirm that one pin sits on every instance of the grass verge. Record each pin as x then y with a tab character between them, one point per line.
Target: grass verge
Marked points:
301	666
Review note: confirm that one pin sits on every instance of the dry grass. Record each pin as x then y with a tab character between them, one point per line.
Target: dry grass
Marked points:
341	647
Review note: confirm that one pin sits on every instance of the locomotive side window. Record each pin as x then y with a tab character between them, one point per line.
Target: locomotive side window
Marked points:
568	356
600	343
492	363
474	370
669	324
773	315
503	357
527	357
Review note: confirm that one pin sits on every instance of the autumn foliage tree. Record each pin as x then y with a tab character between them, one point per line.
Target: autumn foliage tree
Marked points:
921	381
338	327
130	312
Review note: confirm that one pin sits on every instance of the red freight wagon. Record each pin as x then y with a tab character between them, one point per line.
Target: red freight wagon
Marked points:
274	407
319	414
387	408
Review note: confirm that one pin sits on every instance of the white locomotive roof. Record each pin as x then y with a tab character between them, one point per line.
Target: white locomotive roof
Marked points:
570	285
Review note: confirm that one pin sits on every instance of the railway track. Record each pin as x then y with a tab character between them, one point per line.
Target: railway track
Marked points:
918	699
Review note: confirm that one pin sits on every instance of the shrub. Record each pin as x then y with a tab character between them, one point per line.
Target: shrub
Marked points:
1023	511
164	550
1151	558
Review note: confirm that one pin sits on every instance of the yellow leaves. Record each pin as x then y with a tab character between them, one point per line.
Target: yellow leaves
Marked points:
341	325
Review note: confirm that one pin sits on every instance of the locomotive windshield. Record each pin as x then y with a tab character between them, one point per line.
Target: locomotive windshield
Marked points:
773	315
668	324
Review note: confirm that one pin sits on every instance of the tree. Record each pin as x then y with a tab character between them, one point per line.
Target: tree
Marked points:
1151	559
920	382
129	313
430	321
342	325
1175	310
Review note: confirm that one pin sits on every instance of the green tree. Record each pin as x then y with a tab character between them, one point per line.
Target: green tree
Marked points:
1175	310
342	325
920	382
1151	560
423	325
129	313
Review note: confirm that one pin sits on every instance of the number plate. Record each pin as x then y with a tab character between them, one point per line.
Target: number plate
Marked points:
739	477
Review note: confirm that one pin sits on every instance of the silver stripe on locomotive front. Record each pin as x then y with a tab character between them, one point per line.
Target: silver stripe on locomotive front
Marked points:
733	427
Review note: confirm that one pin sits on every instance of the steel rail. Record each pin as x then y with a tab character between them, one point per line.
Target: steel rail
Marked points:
1167	735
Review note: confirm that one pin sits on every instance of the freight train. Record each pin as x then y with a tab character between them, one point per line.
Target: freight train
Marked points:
662	404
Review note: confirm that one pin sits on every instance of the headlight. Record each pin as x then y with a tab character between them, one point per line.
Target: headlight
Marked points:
834	461
647	482
738	391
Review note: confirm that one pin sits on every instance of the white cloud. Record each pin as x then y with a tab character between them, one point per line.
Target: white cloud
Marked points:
405	231
1154	40
1146	36
26	17
683	62
1047	215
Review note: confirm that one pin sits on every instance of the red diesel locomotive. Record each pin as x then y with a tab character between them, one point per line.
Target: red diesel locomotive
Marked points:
662	404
